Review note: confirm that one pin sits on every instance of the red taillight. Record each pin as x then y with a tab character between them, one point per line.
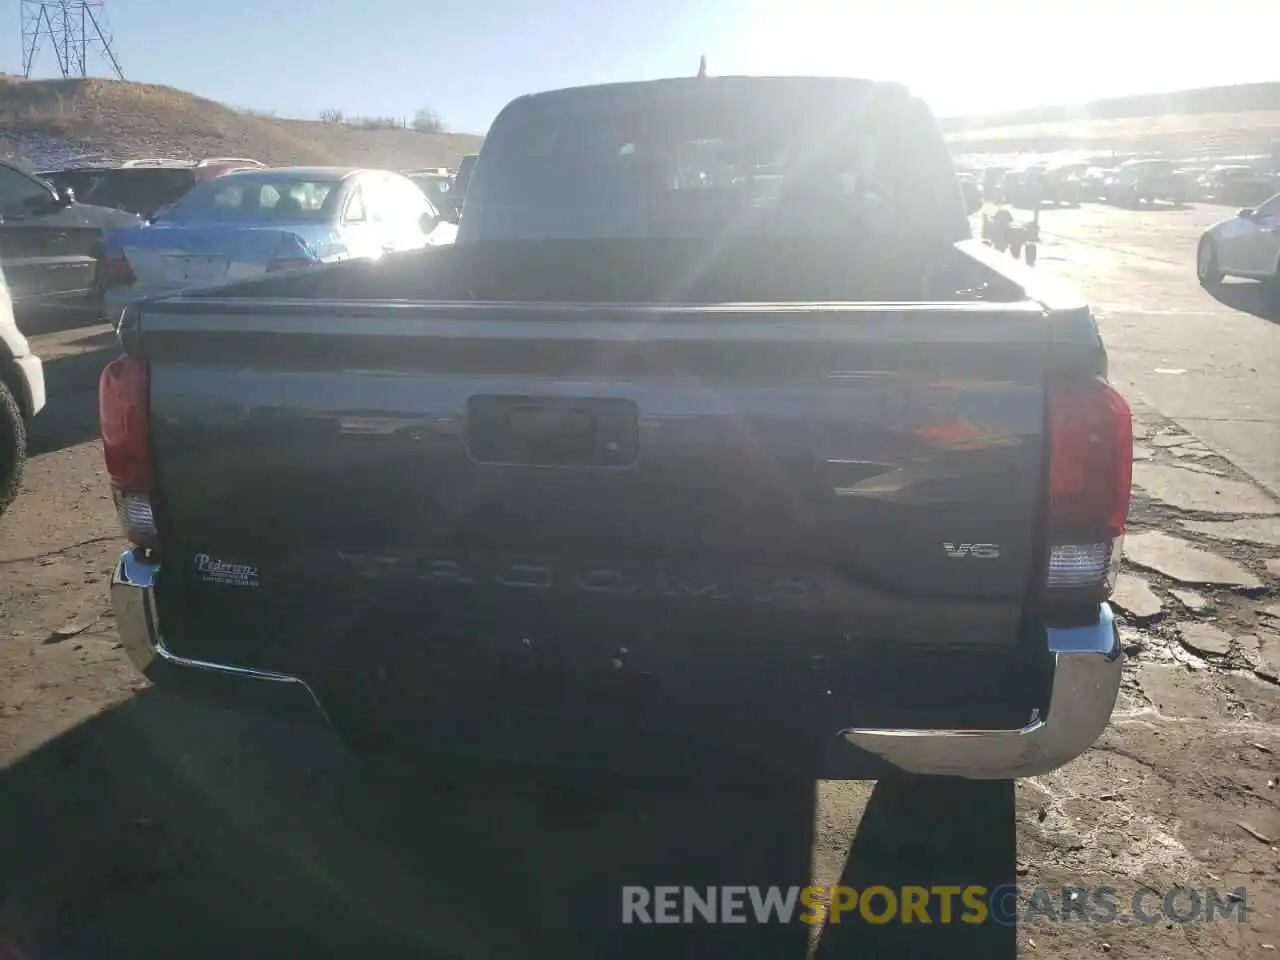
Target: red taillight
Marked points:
124	419
116	271
1090	432
1090	457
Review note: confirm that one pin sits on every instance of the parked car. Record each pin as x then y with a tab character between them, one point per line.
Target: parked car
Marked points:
1039	184
462	179
250	222
1235	183
972	190
146	185
993	179
1188	179
1216	181
1065	184
49	243
21	396
1247	245
1096	182
655	463
79	180
1011	189
1145	181
437	184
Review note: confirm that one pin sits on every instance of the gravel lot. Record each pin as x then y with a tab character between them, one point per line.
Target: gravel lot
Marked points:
131	826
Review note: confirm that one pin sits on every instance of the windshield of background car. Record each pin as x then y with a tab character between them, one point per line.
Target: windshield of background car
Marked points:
257	199
19	190
732	162
433	185
141	190
463	176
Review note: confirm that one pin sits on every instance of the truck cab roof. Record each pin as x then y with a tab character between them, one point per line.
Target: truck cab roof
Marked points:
692	87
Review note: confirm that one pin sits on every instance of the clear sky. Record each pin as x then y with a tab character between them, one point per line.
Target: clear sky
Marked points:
466	58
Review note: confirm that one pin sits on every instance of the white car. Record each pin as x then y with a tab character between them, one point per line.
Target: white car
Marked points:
1247	245
21	397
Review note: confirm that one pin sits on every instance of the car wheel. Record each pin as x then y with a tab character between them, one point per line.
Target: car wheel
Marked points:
13	445
1207	270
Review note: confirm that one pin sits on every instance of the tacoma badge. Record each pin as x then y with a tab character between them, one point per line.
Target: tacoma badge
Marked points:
972	551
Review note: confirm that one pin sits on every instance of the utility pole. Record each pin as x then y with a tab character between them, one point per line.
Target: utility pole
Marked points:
72	28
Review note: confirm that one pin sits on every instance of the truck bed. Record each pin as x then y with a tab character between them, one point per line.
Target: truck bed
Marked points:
672	511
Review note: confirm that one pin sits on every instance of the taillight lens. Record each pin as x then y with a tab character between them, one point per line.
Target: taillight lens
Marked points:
124	419
116	271
1090	474
292	253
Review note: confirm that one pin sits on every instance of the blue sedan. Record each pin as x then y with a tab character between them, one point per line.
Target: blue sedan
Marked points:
248	223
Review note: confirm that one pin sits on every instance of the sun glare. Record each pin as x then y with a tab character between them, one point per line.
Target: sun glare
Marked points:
989	55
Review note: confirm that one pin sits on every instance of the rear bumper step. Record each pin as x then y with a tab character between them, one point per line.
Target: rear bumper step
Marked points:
1086	681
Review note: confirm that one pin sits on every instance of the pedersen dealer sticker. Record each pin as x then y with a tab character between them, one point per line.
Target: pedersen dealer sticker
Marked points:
212	570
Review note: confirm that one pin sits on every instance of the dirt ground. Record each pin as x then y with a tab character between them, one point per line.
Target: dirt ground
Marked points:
132	826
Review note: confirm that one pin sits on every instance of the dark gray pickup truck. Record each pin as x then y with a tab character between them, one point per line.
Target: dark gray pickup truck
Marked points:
715	435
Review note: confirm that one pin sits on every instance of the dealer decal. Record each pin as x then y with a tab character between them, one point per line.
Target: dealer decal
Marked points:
212	570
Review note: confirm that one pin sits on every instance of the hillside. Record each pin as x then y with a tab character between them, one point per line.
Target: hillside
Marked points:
1208	121
1205	135
48	123
52	122
1241	98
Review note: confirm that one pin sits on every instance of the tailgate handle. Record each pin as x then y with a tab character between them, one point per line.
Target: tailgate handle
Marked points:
552	432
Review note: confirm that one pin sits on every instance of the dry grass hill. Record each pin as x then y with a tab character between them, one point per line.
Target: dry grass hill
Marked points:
55	122
1207	121
44	121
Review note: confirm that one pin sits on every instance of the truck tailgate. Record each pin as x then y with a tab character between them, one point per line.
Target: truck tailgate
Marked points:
866	472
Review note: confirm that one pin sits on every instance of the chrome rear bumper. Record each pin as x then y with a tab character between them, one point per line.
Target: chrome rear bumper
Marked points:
1086	682
133	602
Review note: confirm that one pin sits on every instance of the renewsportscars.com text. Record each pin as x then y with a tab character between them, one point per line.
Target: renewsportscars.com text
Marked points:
972	904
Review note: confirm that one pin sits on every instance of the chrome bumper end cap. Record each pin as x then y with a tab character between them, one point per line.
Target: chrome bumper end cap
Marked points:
133	585
1086	682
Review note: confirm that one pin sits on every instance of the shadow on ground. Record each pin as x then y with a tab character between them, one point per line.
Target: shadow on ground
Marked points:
1045	206
70	415
38	320
161	829
1248	296
1161	206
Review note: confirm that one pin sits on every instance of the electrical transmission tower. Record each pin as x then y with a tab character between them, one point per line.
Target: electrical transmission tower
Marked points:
73	28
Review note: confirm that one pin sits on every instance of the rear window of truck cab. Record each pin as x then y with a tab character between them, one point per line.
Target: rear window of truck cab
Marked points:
670	167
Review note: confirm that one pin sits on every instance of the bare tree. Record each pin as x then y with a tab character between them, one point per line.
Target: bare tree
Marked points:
427	121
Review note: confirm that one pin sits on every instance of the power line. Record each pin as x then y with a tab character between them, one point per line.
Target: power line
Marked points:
73	28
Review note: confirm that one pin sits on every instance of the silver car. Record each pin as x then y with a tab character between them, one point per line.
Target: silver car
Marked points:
1247	245
21	397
